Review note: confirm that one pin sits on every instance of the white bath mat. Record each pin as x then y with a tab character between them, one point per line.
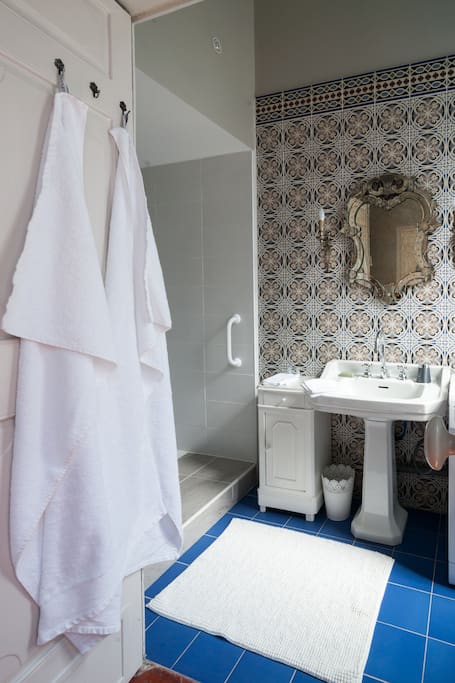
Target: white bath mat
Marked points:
306	601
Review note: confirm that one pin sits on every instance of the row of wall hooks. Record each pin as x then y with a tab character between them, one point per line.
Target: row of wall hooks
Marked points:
62	86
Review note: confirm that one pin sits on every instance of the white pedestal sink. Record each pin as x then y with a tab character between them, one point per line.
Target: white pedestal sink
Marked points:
380	517
343	389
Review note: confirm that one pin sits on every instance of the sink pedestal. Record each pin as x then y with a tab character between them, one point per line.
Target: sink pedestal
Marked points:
380	518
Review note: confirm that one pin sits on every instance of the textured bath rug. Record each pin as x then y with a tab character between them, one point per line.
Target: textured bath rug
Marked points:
306	601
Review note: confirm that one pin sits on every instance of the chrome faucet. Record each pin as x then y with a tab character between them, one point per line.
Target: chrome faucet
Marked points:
379	347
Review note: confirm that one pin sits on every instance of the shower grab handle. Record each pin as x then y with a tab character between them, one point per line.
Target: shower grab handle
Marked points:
235	319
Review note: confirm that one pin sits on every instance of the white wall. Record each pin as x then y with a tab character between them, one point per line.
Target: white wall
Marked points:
176	51
309	41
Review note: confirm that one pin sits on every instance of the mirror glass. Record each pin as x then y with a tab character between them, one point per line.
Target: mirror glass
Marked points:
389	220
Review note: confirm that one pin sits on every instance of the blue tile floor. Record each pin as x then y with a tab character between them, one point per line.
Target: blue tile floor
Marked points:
414	639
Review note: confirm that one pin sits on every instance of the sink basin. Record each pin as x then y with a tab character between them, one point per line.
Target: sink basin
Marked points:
343	389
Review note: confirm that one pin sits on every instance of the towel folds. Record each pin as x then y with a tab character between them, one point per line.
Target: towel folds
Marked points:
94	491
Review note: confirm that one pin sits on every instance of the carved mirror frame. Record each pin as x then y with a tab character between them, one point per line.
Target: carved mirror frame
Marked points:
387	191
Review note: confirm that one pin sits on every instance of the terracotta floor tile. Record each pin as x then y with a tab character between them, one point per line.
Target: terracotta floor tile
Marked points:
154	673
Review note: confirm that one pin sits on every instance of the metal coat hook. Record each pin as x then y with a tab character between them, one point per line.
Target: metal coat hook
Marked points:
59	64
61	84
125	114
95	90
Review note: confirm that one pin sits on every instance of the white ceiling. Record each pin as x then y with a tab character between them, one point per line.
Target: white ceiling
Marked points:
299	42
144	9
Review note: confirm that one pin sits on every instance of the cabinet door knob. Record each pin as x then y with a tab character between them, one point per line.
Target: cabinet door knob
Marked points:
284	399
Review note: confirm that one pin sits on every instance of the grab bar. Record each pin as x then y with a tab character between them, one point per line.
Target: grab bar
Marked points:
235	319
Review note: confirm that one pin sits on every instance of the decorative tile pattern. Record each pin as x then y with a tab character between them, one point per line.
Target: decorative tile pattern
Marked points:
358	90
429	76
269	108
316	145
392	84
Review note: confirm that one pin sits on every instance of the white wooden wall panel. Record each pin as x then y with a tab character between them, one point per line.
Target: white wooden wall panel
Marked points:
93	38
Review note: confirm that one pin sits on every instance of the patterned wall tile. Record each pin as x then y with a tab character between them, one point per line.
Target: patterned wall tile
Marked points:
269	108
315	146
450	74
392	84
297	102
327	96
430	76
358	90
269	139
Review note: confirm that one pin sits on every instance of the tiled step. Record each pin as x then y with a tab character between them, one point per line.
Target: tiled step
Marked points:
210	486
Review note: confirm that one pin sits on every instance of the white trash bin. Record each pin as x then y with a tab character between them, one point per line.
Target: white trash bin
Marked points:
337	485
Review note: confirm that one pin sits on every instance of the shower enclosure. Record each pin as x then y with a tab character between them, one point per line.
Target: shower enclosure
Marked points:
197	159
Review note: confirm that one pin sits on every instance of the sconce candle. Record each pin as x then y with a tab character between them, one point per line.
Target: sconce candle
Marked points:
321	223
324	238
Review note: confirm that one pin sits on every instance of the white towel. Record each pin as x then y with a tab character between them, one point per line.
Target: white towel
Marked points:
152	321
320	387
283	379
137	420
61	537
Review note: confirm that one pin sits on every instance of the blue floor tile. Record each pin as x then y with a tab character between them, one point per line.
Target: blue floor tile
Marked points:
302	677
221	525
418	519
196	549
440	663
247	507
375	547
442	554
209	659
406	608
273	517
441	584
442	620
337	529
412	571
444	524
301	524
254	667
419	542
396	656
149	616
165	640
166	578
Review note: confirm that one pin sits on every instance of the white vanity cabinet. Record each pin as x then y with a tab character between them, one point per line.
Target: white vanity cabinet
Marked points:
294	446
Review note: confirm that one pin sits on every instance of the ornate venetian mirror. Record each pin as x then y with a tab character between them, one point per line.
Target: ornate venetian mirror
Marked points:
389	221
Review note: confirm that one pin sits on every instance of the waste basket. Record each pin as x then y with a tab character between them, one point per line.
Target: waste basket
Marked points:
337	486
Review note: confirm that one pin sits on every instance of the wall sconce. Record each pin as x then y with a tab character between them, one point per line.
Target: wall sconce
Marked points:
325	241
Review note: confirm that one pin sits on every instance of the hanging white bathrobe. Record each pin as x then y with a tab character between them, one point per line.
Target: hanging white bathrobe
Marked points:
76	516
136	421
135	403
140	314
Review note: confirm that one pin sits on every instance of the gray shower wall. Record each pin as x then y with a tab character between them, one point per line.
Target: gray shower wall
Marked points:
202	215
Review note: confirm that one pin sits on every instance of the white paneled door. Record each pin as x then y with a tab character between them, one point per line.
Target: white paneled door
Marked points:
93	38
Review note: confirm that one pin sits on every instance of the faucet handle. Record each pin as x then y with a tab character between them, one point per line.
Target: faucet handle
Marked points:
366	370
402	373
